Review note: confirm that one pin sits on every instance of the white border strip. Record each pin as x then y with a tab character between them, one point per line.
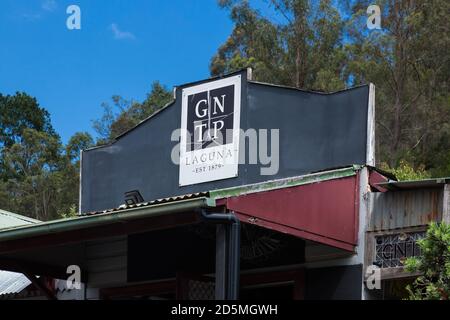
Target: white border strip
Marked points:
80	189
370	149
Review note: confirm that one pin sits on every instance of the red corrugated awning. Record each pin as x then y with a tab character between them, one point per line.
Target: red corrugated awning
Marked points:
324	211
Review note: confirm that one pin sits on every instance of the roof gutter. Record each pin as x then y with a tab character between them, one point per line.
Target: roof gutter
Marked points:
120	216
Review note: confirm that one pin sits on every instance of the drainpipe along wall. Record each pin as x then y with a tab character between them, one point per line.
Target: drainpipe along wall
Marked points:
228	241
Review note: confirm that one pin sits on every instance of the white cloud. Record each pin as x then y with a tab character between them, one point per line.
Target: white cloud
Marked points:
121	35
32	16
36	14
49	5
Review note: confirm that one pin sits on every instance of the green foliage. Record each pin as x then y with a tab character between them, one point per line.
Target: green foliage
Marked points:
303	50
433	265
115	119
158	97
19	112
39	176
325	45
405	171
33	167
407	63
43	176
125	114
79	141
71	213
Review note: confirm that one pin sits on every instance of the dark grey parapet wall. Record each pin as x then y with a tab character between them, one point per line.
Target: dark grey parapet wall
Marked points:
317	132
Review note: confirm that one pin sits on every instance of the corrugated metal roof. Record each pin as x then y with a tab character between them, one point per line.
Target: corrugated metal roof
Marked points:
414	184
11	282
150	203
9	219
119	215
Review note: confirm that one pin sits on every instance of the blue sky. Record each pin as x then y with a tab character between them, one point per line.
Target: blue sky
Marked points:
121	48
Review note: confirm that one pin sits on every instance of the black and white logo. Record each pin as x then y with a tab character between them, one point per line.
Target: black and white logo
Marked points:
210	131
210	115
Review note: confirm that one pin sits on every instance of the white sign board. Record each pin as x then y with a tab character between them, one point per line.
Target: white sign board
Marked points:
210	123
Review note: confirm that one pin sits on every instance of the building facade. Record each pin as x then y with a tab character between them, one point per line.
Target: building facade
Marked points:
235	190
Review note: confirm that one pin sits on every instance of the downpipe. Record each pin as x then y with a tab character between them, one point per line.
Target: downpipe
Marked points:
234	244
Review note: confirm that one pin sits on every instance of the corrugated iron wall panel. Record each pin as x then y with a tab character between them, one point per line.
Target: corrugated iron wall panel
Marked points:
403	209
